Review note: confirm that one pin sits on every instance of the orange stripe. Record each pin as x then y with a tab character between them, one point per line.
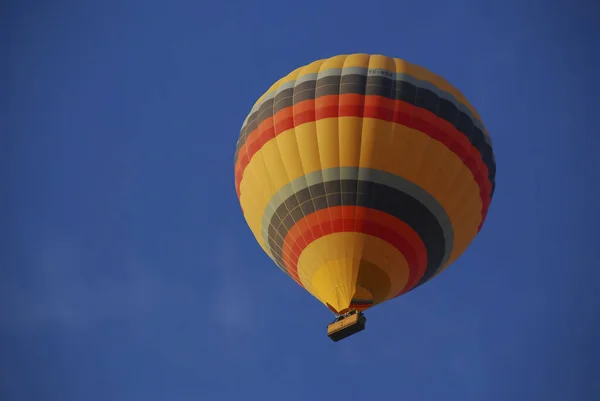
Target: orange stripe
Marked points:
378	107
356	219
360	307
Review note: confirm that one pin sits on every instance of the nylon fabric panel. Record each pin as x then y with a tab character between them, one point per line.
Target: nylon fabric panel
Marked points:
372	286
347	119
308	146
377	224
400	66
332	281
378	108
420	97
404	153
362	295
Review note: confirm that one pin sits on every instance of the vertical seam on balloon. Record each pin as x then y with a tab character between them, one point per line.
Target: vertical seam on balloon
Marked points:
295	194
403	138
418	165
357	239
288	181
349	247
322	172
270	180
397	136
435	175
270	183
393	138
345	244
304	172
337	252
307	285
358	178
253	201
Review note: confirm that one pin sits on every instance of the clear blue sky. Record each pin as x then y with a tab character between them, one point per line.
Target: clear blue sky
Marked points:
129	273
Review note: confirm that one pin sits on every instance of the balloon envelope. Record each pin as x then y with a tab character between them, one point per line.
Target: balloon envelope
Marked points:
363	176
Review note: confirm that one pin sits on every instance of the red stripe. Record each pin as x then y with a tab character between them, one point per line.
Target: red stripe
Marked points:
356	219
360	307
369	106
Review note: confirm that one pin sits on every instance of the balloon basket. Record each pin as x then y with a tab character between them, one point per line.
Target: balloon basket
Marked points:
346	325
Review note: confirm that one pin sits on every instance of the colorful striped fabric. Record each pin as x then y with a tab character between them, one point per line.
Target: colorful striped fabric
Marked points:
363	177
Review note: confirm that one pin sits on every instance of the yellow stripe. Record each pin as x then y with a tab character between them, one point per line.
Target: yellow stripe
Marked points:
334	259
259	184
375	61
363	293
385	146
329	261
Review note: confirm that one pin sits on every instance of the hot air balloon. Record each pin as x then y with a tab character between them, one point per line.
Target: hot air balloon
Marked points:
363	177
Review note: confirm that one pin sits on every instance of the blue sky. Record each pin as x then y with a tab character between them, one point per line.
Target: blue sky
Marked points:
129	273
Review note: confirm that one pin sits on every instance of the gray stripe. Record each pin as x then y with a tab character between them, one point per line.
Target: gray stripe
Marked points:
286	85
363	174
330	72
398	76
307	77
